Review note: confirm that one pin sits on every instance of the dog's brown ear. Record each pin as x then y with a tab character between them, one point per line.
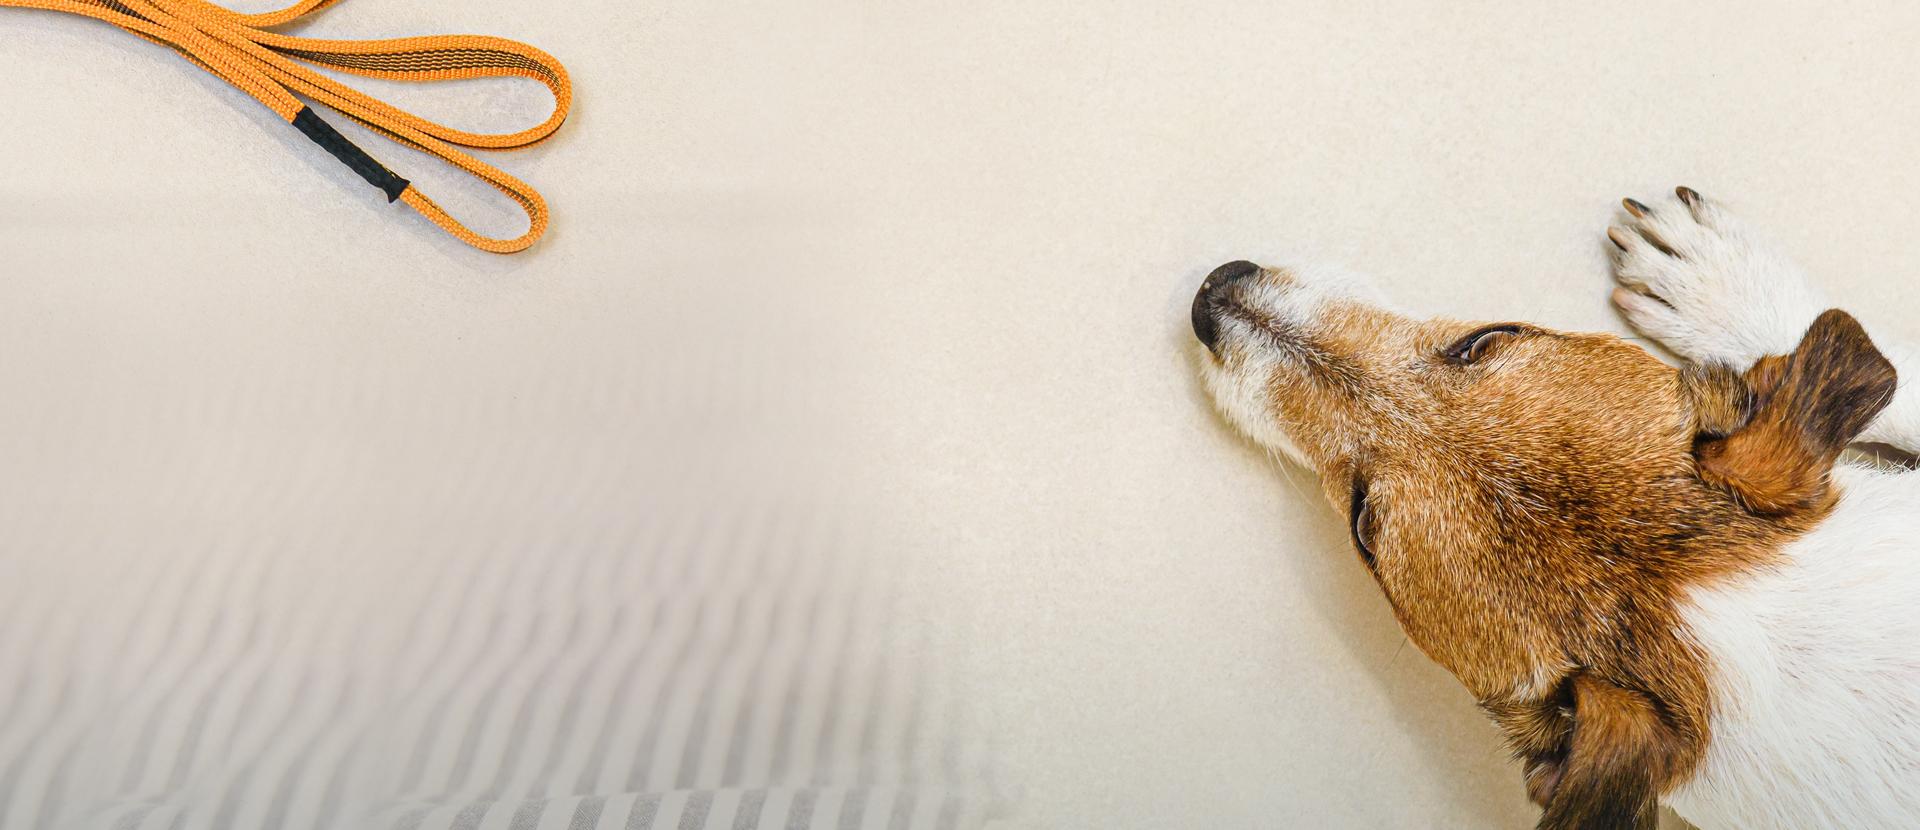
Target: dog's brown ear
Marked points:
1805	408
1616	757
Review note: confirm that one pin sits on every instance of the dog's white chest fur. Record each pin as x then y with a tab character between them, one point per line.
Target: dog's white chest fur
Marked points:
1816	674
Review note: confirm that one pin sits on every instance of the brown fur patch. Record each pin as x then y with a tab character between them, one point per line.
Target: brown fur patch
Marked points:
1808	406
1620	754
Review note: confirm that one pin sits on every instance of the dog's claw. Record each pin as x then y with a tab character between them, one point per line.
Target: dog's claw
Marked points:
1638	210
1618	237
1687	195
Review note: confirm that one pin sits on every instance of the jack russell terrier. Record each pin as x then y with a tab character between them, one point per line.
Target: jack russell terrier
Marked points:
1661	584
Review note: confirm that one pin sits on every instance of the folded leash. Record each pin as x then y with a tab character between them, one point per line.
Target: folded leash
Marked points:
241	50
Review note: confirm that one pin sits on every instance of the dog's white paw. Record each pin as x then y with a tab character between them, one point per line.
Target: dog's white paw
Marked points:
1697	279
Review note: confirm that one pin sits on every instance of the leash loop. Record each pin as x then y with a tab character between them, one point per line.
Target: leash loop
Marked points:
276	69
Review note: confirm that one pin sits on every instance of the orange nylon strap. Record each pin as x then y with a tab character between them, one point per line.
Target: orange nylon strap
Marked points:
239	49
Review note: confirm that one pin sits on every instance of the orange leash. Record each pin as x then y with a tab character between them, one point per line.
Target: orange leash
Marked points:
239	49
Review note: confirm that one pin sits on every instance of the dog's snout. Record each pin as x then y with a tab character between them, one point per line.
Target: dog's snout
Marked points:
1205	325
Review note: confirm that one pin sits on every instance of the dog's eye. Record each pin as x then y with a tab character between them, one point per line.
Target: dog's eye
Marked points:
1360	523
1473	347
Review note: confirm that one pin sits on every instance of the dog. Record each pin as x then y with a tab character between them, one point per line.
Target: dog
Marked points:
1662	584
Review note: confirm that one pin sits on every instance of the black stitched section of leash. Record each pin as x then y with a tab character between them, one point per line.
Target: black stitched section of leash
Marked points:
349	153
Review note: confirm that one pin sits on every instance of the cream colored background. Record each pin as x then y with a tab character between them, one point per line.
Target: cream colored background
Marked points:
960	240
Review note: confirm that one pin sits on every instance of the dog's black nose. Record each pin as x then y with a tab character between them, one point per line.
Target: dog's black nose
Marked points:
1234	271
1205	326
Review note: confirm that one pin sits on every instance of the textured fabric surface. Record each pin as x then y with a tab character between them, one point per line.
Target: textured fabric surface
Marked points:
685	668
